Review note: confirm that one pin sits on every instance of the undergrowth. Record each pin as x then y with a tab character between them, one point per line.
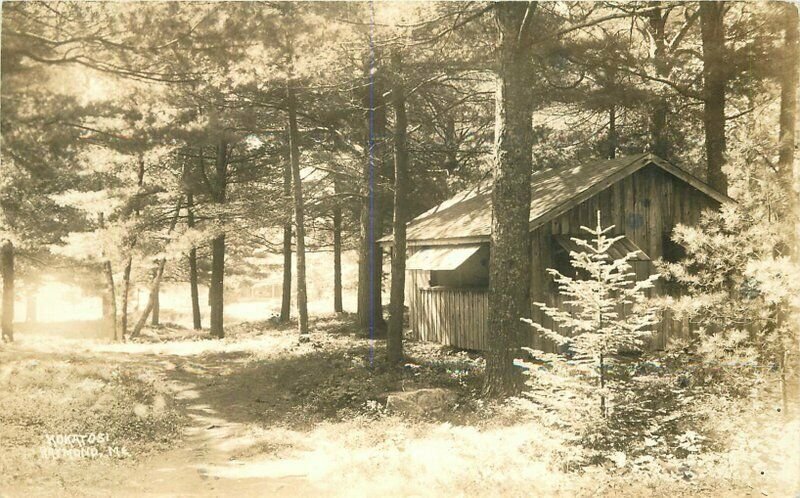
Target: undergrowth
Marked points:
125	410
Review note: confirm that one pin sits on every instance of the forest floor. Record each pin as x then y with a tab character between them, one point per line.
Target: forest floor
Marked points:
258	414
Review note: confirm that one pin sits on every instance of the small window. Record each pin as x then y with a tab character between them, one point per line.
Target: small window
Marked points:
472	273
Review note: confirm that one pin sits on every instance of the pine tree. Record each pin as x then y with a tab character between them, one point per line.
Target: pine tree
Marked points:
509	248
607	310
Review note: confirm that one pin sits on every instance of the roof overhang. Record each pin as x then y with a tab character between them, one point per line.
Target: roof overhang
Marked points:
691	180
441	258
388	241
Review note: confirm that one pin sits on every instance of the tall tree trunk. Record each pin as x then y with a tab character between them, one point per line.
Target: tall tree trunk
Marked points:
193	281
299	211
363	291
788	118
286	292
197	319
7	271
110	289
714	77
611	88
659	143
365	190
155	317
112	298
382	208
152	299
509	258
370	272
382	204
337	247
126	284
394	345
786	162
612	132
337	259
217	288
126	273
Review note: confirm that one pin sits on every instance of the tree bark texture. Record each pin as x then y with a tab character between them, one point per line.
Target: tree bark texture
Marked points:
659	142
363	291
337	258
126	284
112	298
7	271
509	258
126	272
193	280
394	344
299	212
155	317
286	293
788	121
217	288
370	271
714	81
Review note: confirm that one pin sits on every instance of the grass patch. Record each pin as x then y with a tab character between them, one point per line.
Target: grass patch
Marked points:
45	395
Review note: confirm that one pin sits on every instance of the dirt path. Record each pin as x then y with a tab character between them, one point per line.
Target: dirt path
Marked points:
220	454
208	461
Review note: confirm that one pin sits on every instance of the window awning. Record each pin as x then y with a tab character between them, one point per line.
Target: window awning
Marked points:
441	258
620	248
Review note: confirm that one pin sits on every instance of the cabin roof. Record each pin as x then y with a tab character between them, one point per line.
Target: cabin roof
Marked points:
467	216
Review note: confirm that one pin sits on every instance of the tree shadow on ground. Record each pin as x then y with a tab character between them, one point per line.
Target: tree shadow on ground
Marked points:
335	376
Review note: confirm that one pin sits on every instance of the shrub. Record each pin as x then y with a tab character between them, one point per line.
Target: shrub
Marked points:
606	309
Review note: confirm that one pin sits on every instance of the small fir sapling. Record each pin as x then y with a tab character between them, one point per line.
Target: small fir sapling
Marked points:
592	324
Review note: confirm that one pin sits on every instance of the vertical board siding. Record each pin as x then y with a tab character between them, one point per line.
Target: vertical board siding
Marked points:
643	206
453	317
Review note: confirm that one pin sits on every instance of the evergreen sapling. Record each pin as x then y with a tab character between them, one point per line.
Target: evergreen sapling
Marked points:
606	309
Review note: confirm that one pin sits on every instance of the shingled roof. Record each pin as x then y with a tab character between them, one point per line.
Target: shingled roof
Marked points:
467	216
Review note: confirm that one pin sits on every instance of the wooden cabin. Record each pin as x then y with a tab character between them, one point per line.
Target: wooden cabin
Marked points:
447	278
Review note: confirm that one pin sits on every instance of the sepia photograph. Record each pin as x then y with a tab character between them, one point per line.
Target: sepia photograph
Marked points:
399	248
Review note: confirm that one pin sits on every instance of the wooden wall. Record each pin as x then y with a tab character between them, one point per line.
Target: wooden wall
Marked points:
453	317
416	280
642	206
